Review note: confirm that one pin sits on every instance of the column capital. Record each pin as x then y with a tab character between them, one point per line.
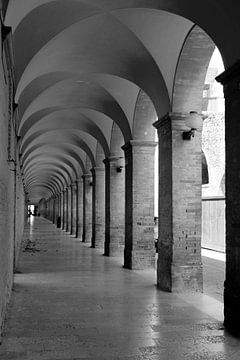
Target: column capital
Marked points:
139	143
112	159
86	176
97	169
230	79
73	185
175	119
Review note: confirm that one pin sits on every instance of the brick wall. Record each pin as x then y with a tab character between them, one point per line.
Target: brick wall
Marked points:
11	191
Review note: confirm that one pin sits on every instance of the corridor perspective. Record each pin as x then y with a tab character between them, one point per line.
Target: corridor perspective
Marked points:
119	170
70	302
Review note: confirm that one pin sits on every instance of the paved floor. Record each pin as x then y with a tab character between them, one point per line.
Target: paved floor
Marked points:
70	302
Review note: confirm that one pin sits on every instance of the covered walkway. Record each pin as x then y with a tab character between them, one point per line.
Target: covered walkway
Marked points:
70	302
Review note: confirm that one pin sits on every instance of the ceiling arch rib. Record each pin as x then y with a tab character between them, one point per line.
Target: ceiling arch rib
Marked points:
77	94
122	91
66	119
41	193
51	187
84	48
35	178
58	149
201	13
55	136
68	161
63	163
50	181
68	147
57	168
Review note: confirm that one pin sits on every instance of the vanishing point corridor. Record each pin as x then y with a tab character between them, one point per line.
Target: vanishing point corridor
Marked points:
69	302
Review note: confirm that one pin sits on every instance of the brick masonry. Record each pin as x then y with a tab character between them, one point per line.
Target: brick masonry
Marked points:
231	80
87	208
179	266
139	250
73	208
69	209
114	206
80	208
12	197
98	215
65	209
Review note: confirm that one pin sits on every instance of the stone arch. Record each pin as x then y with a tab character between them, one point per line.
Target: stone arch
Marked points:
191	71
144	116
205	175
117	141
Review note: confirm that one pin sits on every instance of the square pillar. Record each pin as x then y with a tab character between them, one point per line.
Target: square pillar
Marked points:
79	216
114	206
69	210
179	267
65	209
73	208
62	209
87	208
98	215
231	80
139	250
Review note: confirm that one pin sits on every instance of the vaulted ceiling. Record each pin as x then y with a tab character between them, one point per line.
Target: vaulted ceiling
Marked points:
79	66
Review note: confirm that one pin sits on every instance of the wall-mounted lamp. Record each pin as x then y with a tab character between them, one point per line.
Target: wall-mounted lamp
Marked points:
194	121
119	169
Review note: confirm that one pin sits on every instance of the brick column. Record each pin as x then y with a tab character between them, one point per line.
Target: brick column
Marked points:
115	206
87	208
79	231
231	80
68	229
62	210
139	252
179	266
73	208
98	215
65	209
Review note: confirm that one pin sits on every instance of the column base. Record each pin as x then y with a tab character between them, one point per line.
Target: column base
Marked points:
232	309
113	250
99	245
179	278
139	259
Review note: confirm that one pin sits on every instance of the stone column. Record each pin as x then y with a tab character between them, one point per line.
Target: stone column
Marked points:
87	208
79	232
66	209
98	215
231	80
179	266
139	252
69	206
62	209
73	208
114	206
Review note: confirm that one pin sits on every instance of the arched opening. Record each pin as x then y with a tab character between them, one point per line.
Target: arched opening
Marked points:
213	193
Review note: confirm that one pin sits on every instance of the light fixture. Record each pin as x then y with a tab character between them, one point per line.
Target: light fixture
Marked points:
194	121
119	169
